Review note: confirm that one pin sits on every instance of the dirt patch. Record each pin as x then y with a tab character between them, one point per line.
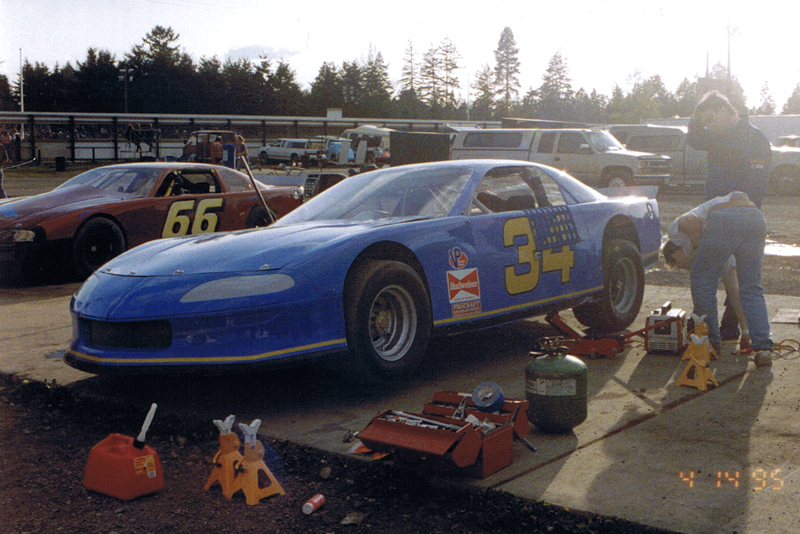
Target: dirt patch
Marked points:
46	435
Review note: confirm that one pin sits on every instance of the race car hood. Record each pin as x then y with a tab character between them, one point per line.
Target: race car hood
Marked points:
154	279
260	249
32	210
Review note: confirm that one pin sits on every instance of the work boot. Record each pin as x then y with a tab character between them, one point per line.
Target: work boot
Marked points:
763	358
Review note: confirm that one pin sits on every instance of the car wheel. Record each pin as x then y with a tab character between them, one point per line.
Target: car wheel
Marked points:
388	320
259	217
264	158
96	242
786	183
623	289
617	180
295	159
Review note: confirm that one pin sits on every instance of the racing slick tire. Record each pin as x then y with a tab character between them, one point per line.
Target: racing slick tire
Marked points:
623	289
260	218
388	321
95	243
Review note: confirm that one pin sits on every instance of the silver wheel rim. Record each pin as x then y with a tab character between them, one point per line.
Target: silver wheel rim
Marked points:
622	287
392	323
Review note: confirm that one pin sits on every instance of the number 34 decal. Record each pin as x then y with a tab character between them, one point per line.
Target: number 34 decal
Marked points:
524	275
206	220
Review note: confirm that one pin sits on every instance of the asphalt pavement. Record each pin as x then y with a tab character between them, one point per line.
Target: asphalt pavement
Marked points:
721	460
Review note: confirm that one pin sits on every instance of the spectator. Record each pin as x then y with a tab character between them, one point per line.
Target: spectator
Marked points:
7	142
3	161
17	140
703	240
240	152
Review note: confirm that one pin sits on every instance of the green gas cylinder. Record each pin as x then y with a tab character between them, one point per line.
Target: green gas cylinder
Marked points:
555	388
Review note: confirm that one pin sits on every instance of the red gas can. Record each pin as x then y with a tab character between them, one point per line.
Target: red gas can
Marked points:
124	467
117	468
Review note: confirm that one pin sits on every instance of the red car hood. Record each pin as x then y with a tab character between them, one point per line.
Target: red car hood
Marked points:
31	210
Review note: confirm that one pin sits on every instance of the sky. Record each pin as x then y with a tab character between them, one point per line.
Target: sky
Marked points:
604	44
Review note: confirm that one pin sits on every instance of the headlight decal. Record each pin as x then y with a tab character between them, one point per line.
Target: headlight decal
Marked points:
239	287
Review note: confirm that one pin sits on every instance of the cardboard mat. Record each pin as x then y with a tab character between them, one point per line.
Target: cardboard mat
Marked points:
787	316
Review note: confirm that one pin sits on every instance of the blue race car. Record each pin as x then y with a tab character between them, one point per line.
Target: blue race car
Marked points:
370	269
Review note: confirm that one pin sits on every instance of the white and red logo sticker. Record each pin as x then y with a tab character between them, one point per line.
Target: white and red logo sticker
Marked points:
457	258
464	291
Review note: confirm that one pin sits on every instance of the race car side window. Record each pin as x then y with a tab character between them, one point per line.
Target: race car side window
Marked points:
200	183
513	189
502	190
234	181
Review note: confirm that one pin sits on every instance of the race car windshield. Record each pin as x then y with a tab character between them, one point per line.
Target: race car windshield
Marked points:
392	193
134	182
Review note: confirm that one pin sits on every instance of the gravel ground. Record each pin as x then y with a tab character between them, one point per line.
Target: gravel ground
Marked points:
46	435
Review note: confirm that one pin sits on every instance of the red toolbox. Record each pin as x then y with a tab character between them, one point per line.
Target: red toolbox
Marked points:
442	438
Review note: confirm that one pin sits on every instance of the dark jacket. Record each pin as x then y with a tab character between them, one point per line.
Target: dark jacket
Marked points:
737	161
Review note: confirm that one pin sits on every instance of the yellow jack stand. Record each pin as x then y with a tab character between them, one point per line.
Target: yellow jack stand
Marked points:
224	470
247	475
696	374
699	353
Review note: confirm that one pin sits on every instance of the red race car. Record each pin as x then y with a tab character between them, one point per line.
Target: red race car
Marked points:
103	212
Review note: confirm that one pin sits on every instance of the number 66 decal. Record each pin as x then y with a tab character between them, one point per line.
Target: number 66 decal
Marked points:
206	221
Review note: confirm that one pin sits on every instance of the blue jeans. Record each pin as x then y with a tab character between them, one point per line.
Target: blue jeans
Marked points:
741	232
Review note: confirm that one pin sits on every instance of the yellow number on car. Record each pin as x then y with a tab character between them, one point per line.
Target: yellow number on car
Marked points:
177	224
524	275
521	282
205	221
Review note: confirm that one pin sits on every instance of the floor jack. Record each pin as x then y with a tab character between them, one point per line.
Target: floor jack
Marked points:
600	346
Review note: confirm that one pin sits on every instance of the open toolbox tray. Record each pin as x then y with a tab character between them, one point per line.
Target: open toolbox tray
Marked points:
437	439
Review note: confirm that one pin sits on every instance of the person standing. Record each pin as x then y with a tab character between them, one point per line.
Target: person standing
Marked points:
722	227
240	152
3	161
738	156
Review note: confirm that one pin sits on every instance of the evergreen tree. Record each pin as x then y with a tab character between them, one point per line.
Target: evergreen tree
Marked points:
98	87
506	70
767	106
163	77
792	106
555	96
686	98
326	91
6	98
350	76
376	87
409	75
287	96
211	90
244	87
483	107
431	89
448	57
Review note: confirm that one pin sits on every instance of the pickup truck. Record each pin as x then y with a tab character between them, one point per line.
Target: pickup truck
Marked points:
689	165
593	156
286	151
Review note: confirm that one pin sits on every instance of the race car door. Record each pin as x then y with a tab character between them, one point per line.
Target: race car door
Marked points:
529	248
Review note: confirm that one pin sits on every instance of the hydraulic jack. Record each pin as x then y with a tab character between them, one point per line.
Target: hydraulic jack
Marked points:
578	344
